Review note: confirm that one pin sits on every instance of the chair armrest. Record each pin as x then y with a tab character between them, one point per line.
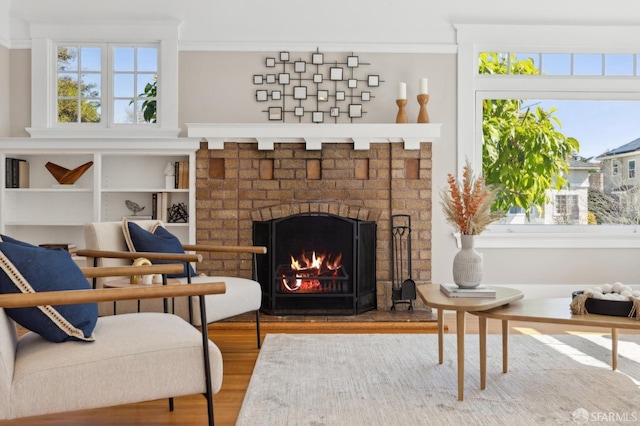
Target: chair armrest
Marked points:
72	297
180	257
118	271
225	249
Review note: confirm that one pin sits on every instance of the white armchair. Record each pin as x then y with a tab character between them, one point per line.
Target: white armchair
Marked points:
135	357
242	295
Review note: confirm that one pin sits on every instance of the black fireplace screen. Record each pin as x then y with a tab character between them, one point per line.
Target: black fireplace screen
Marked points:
316	264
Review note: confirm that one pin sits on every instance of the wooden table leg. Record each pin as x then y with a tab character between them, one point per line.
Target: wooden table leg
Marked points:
440	336
505	346
482	331
614	349
460	325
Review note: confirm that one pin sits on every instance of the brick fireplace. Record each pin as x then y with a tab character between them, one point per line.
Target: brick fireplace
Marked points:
241	184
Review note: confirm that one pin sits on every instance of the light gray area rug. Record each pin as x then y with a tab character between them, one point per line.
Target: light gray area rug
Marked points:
385	379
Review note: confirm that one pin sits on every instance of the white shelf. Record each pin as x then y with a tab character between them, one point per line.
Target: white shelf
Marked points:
48	190
361	135
122	169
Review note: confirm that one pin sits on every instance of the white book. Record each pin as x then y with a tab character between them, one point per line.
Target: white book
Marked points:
452	290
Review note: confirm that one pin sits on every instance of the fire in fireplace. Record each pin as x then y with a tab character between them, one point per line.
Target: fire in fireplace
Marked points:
316	264
312	273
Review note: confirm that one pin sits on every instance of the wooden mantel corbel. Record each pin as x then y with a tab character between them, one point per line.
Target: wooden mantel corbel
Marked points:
314	135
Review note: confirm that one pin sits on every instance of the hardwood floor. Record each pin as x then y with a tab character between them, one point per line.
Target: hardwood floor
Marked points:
237	341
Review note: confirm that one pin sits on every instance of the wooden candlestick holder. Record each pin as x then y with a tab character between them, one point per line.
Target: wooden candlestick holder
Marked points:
402	113
423	116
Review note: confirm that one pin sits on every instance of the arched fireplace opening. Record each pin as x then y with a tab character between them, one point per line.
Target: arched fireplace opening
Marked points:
316	264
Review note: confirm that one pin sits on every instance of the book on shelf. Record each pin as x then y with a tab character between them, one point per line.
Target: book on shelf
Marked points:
452	290
160	206
181	175
154	205
16	173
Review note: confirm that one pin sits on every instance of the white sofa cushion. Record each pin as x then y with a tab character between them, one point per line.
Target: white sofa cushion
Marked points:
162	361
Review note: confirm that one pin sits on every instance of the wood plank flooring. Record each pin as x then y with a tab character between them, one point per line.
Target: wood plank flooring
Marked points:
237	342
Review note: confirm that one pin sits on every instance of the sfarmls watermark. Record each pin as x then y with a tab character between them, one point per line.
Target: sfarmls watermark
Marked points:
582	416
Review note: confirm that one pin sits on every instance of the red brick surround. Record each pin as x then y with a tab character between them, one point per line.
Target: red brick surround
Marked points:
240	184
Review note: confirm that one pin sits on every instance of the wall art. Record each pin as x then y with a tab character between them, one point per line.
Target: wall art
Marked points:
315	89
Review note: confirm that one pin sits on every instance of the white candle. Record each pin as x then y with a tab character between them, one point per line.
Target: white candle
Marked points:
424	87
402	90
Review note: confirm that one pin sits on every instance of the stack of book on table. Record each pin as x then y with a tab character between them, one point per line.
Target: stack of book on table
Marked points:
452	290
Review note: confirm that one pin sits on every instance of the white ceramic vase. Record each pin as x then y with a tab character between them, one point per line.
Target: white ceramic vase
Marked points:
467	264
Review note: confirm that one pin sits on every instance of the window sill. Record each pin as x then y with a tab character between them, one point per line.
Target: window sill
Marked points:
560	237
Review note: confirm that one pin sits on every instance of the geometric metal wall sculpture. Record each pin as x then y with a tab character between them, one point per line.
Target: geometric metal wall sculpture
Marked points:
314	89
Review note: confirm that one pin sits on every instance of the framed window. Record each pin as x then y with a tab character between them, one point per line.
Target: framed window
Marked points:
79	81
632	169
126	83
565	71
566	205
112	81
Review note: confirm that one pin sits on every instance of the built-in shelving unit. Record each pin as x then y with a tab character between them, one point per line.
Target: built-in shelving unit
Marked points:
123	169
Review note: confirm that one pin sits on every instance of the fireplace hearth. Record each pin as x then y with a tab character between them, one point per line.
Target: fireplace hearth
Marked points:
316	264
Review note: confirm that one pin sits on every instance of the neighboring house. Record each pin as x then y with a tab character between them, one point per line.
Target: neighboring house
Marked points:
620	167
568	205
621	179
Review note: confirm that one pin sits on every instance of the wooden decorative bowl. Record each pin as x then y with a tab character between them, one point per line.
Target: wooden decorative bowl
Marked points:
65	176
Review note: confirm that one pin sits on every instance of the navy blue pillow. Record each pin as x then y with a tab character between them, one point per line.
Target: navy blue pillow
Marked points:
8	239
30	269
159	240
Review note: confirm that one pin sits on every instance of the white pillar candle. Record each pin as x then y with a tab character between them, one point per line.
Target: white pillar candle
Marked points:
424	87
402	90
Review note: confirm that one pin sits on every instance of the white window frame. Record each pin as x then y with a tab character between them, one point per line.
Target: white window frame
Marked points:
631	169
43	82
473	88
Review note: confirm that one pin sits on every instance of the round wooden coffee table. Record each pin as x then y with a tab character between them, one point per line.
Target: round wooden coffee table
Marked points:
433	297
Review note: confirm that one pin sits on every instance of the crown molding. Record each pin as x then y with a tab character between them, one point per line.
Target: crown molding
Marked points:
213	46
247	46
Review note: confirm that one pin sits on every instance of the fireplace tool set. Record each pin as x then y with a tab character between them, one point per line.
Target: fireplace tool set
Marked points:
403	290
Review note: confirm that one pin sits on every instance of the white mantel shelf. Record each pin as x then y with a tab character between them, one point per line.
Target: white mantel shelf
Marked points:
361	135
